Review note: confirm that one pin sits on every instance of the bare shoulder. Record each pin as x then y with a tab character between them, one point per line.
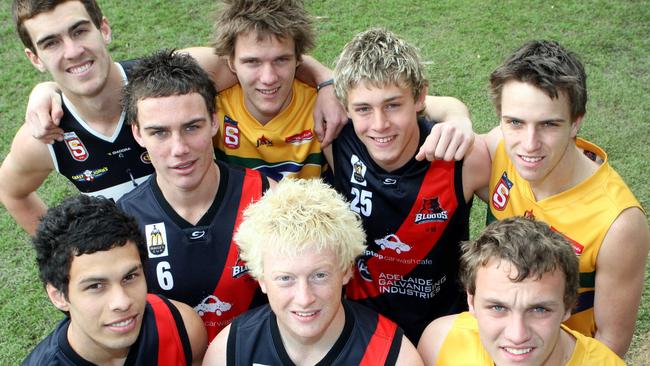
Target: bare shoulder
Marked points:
216	354
408	355
195	331
30	153
476	169
629	232
433	337
492	139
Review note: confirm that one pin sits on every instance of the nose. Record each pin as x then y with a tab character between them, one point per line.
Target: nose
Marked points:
179	145
531	139
304	295
380	120
517	330
268	74
120	299
71	49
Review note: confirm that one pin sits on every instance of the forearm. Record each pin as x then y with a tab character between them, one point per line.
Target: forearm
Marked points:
27	210
446	108
312	72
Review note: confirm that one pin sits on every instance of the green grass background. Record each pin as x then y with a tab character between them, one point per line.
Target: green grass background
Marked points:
460	41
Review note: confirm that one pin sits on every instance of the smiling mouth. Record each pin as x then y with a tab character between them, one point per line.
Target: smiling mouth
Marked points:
518	351
383	140
268	91
305	314
79	69
183	166
531	159
123	323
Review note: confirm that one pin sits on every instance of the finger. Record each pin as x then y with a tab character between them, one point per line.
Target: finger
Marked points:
462	150
421	155
319	126
450	153
442	144
57	109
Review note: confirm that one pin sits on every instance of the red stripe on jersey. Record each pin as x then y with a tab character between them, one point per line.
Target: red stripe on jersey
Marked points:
238	291
170	347
380	342
439	181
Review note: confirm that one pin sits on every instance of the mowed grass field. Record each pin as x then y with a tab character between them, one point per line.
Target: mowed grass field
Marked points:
461	43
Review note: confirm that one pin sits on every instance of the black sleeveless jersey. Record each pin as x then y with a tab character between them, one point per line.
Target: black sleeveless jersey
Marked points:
414	219
162	341
199	264
367	339
96	164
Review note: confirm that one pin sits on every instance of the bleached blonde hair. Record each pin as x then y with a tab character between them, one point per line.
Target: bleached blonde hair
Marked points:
299	214
378	58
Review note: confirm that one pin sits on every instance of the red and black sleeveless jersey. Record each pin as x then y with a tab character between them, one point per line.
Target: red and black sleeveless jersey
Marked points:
414	219
162	341
367	339
199	264
99	165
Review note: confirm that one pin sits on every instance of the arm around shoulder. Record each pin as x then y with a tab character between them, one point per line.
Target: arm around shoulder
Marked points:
22	172
195	331
216	354
620	279
433	337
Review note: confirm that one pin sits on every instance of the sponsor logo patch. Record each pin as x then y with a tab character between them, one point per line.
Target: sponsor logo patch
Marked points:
76	148
156	235
230	133
212	304
359	169
577	247
391	241
300	138
90	175
119	153
264	141
145	158
502	192
431	211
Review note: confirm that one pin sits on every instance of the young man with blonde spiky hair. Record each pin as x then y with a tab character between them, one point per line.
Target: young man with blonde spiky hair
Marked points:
521	279
414	212
310	240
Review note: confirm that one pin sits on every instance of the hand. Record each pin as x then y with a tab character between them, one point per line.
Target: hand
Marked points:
329	116
447	141
44	112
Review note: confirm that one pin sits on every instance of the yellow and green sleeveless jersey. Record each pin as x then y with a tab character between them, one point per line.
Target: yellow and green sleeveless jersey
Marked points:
462	347
285	146
582	214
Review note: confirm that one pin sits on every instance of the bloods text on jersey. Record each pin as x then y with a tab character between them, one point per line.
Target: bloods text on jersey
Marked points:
199	264
414	218
100	165
367	339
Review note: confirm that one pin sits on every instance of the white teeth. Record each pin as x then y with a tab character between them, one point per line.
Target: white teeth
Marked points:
303	314
79	69
530	159
268	91
183	166
122	323
383	140
518	351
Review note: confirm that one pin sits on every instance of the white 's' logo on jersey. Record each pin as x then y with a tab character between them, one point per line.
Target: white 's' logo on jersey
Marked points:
156	240
358	171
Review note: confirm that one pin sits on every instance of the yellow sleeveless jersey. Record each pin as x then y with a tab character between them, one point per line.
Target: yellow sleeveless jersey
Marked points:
582	214
462	347
285	146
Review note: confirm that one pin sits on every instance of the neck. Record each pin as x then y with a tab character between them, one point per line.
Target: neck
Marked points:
573	168
563	350
309	351
93	352
192	204
101	111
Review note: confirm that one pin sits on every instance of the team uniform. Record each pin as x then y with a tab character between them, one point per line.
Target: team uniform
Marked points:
367	339
96	164
285	146
582	214
199	264
462	346
414	219
162	341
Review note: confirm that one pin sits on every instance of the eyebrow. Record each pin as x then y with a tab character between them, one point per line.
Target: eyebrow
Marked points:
542	121
52	36
104	279
544	304
387	100
188	123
